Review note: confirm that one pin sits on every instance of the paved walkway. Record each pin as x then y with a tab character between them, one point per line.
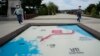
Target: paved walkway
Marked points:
7	27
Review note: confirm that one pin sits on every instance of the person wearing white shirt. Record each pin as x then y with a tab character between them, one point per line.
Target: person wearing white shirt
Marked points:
19	13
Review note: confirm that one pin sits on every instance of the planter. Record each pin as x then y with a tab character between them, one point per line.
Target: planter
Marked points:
29	16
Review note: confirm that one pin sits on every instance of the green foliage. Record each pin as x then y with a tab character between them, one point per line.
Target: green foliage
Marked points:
98	8
4	8
89	8
52	8
43	10
93	10
32	3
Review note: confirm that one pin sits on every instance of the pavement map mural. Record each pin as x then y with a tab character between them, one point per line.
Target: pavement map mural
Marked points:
66	40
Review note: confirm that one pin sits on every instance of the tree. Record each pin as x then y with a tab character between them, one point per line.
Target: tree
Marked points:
98	8
89	8
52	8
3	7
31	3
93	12
43	10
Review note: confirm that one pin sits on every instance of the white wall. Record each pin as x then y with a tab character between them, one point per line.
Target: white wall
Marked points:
12	3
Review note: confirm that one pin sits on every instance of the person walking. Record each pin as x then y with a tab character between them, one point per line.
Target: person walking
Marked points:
19	13
79	14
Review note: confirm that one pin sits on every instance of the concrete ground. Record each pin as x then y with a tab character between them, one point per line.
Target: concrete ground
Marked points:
7	27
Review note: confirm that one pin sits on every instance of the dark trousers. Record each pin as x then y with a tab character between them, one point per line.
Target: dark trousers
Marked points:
19	18
79	18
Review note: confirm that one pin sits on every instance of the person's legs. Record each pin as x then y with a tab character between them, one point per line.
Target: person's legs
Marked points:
19	18
79	18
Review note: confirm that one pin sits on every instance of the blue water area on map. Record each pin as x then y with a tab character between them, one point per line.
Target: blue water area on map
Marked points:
77	29
19	48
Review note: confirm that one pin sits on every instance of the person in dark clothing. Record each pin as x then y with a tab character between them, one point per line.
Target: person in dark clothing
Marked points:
79	14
